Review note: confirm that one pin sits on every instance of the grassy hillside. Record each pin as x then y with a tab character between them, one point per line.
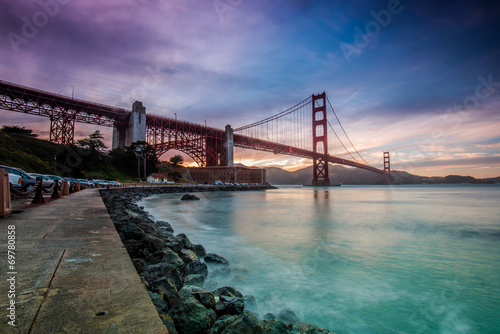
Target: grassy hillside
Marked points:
28	153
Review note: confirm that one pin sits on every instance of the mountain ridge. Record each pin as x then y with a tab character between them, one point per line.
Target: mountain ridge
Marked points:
355	176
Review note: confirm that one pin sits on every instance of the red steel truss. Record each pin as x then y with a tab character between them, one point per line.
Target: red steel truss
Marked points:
204	144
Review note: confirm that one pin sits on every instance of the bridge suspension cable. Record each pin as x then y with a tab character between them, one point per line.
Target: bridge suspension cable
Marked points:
338	120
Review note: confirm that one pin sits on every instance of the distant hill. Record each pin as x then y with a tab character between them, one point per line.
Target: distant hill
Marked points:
356	176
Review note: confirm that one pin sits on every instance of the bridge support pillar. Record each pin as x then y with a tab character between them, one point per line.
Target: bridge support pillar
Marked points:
320	141
134	131
387	168
229	146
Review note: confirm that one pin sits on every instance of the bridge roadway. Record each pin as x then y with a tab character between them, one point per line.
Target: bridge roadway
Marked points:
73	272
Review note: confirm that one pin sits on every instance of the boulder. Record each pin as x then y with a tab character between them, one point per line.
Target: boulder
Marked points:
221	324
228	291
274	326
229	305
184	240
199	250
188	256
172	258
152	243
190	316
166	290
305	328
245	323
196	268
215	258
207	298
288	315
189	197
139	264
164	226
197	280
155	272
134	247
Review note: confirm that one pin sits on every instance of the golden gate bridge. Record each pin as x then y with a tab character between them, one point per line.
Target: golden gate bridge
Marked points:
302	130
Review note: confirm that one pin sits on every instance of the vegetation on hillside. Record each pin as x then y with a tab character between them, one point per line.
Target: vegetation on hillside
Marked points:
87	158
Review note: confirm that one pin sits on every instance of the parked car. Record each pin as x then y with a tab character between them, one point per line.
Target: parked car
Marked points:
114	183
15	181
55	177
47	183
27	182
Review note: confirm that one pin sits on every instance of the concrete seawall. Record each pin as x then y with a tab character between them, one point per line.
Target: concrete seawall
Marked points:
71	272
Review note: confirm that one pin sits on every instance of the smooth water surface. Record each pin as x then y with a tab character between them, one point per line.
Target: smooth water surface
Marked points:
356	259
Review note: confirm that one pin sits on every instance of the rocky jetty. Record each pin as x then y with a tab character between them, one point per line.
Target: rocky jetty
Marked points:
174	270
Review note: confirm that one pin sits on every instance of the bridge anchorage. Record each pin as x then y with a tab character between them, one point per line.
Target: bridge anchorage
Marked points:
288	132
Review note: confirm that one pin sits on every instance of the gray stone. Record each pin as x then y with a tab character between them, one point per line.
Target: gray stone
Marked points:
196	268
152	243
197	280
183	238
199	250
228	291
190	316
288	315
274	326
188	256
216	259
189	197
221	324
229	305
245	323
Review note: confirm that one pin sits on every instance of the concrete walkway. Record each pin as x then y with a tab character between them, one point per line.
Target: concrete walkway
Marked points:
72	273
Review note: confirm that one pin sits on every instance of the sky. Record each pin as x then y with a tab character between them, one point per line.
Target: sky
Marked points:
418	78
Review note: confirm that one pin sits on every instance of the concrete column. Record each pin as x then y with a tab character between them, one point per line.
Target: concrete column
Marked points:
119	137
229	145
136	130
5	204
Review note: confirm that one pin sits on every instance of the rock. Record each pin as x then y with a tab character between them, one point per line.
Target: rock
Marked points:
190	316
129	231
167	291
215	258
228	291
246	323
305	328
189	197
184	240
288	315
269	316
158	302
250	302
174	243
199	250
274	326
221	324
207	298
168	322
155	272
197	280
229	305
188	256
164	226
196	268
139	264
152	243
134	247
172	258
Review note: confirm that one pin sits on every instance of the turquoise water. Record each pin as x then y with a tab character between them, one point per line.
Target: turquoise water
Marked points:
356	259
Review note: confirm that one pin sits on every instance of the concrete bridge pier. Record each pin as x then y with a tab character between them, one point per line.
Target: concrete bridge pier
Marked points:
134	131
229	146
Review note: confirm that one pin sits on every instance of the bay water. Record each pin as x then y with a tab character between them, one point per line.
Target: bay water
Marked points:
355	259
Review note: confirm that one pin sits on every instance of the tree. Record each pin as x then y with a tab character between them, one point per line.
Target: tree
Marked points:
18	130
176	160
94	142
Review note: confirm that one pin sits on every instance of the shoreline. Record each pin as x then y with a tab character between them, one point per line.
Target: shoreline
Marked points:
173	270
